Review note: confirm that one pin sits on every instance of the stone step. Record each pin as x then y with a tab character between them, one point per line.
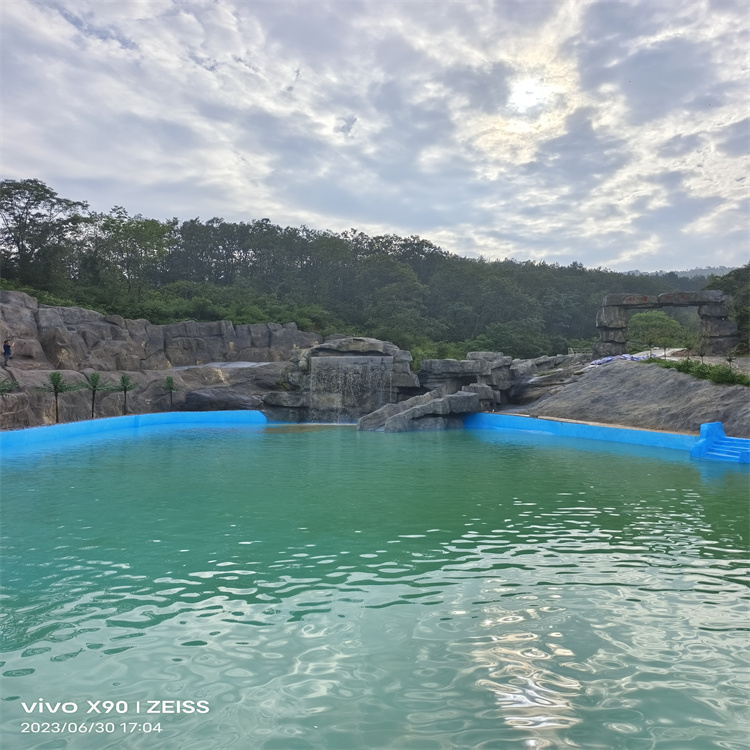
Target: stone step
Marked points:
376	420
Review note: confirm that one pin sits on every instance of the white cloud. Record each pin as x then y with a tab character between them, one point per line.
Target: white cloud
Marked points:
569	130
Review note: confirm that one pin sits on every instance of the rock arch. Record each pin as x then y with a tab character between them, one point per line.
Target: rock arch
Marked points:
718	333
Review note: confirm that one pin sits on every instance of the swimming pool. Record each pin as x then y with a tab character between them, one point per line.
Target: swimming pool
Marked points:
318	587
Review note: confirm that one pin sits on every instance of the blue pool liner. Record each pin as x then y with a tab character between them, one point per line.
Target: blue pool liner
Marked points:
714	445
40	436
710	445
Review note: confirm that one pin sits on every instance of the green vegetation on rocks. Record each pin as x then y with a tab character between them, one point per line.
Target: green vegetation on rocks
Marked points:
8	385
721	374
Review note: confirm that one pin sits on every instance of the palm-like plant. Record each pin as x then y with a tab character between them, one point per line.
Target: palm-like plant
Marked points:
56	385
169	386
96	385
126	385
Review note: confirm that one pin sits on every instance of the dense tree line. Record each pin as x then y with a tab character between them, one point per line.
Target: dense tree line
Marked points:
404	289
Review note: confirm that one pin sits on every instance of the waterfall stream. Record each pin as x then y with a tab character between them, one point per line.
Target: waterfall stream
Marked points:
342	387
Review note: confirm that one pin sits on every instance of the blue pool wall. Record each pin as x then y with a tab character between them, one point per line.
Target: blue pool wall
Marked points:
673	440
34	436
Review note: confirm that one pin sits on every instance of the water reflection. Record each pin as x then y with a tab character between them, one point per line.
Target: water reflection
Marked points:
342	589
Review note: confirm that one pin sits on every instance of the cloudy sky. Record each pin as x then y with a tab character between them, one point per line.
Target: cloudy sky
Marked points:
612	133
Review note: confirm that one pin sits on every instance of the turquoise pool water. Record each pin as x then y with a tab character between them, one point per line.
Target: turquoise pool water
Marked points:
303	587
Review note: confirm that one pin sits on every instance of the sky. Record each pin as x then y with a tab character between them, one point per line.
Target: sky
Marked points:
610	133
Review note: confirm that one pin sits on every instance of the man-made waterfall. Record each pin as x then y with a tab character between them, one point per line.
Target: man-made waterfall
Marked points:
341	388
342	379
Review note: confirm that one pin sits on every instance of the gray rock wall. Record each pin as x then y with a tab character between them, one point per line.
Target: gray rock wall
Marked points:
78	342
200	388
71	338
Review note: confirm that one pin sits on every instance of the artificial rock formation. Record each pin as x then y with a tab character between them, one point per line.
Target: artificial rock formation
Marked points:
647	396
433	410
341	379
203	388
291	375
718	333
71	338
78	342
482	382
346	379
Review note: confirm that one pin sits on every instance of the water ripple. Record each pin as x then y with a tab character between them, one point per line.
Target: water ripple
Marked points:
506	597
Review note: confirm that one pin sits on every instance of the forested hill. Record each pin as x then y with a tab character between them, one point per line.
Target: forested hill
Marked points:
403	289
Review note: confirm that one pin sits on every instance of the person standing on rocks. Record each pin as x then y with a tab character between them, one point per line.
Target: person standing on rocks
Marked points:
7	351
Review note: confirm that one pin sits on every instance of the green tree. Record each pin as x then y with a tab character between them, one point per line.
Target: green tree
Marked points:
655	328
38	232
56	385
95	384
402	288
689	342
171	388
524	339
137	246
125	386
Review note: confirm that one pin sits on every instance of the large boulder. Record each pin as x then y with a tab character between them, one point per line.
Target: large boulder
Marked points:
685	299
612	316
435	413
376	420
631	300
63	350
357	345
713	311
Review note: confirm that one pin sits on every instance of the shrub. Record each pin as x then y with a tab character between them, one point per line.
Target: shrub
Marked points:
721	374
8	385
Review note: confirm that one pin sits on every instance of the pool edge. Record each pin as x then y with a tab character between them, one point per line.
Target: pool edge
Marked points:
45	434
697	446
